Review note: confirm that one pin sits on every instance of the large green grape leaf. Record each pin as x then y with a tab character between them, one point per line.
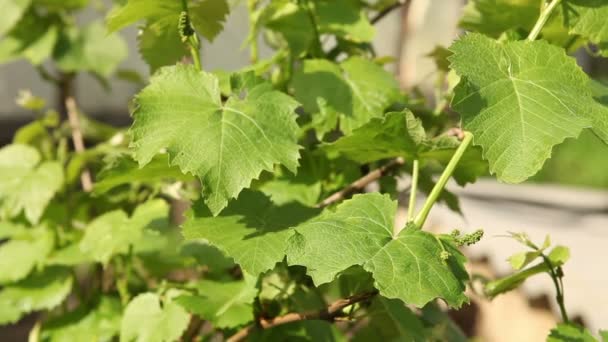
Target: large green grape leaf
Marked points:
145	319
12	10
90	49
519	101
406	265
40	291
19	256
251	230
33	38
224	304
25	183
101	323
207	16
357	89
226	145
113	232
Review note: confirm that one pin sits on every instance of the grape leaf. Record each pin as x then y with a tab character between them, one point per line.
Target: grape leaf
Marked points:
40	291
123	170
290	21
494	17
12	10
224	304
567	332
357	89
18	257
101	323
113	232
33	38
345	19
407	265
207	16
25	184
588	18
519	101
251	230
241	137
145	319
59	5
90	49
400	134
304	331
160	44
391	320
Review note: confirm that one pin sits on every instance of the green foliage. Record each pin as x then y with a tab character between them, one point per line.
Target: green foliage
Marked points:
231	208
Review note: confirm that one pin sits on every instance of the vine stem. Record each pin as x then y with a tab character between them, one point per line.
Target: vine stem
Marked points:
193	41
74	120
413	190
542	19
330	313
443	179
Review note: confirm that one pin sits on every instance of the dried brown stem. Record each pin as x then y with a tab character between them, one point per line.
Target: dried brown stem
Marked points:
362	182
72	111
330	313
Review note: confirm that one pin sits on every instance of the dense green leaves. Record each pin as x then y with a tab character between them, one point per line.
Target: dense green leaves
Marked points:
145	319
251	230
352	92
26	184
241	137
41	291
405	265
520	101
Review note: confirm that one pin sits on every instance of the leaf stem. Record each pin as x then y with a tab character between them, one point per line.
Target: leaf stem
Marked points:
413	190
559	290
542	19
443	179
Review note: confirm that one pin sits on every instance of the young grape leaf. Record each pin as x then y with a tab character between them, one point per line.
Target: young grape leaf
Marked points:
251	230
407	266
519	101
25	183
145	319
90	49
226	145
101	323
33	38
18	257
113	232
568	332
12	10
207	16
392	320
40	291
357	89
224	304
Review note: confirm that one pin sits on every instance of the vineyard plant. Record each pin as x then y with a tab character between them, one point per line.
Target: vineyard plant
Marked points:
259	204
